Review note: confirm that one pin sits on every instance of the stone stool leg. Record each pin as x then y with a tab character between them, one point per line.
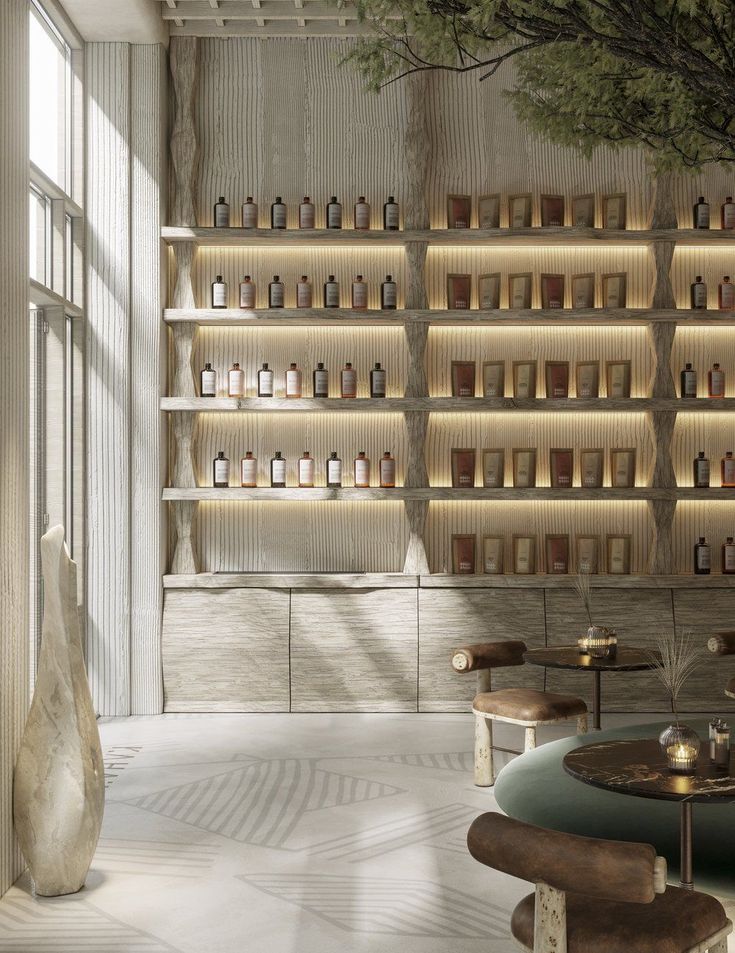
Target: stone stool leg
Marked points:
719	947
530	738
582	726
484	774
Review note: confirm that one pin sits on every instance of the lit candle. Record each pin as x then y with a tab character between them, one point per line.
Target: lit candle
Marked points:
682	756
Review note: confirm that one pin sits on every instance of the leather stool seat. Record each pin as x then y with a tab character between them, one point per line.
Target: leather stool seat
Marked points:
730	690
527	704
675	921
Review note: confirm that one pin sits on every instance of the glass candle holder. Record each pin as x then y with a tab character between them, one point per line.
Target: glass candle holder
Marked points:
680	746
598	641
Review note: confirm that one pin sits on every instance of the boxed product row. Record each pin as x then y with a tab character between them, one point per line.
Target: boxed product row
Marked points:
622	463
555	560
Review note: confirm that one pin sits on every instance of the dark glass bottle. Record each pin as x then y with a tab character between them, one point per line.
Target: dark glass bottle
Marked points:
377	381
728	556
331	293
278	470
688	379
700	213
701	470
208	381
221	216
698	294
334	213
265	381
334	470
219	293
389	294
391	218
278	213
320	381
221	470
702	557
276	293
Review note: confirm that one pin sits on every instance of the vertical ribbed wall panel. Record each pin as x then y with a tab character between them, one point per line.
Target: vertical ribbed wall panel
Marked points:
108	374
148	152
14	364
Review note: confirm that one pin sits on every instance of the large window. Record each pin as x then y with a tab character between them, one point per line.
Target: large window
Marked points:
56	305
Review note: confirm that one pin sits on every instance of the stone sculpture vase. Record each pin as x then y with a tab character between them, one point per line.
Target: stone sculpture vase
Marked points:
59	784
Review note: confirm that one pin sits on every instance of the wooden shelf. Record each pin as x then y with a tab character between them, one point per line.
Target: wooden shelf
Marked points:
444	405
446	493
531	317
336	580
221	237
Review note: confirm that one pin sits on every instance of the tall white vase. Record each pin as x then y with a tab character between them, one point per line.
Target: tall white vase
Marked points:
59	785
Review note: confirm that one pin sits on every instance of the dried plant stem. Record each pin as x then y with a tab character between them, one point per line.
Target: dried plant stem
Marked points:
676	657
584	591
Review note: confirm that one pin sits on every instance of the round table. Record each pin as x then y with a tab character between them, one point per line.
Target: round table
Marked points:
568	656
638	767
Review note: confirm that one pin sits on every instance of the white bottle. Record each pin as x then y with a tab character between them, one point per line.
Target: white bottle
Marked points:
387	470
303	293
236	381
219	293
362	214
249	213
359	294
293	381
362	470
348	381
306	213
249	470
247	293
306	470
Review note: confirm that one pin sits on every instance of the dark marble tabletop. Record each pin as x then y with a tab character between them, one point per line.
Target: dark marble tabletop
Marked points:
627	659
638	767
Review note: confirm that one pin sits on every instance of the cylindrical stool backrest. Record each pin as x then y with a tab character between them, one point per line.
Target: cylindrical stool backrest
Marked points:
722	643
602	869
488	655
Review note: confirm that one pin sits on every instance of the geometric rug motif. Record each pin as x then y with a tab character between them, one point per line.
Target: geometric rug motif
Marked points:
380	905
461	761
261	803
68	925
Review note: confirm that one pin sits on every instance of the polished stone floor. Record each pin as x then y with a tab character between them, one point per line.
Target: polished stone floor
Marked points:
282	834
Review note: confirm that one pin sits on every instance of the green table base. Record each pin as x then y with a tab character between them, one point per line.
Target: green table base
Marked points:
535	788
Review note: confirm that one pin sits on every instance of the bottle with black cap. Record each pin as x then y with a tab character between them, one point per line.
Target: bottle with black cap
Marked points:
377	381
389	294
219	293
249	213
701	470
221	470
278	470
276	293
331	293
701	213
265	381
321	380
221	213
278	213
702	557
688	381
334	213
334	471
698	294
208	381
391	218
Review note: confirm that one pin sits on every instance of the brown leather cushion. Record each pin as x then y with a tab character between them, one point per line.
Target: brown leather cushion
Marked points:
722	643
731	687
470	658
527	704
674	922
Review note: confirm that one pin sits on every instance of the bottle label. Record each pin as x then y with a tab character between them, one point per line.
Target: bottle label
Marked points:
702	215
321	383
248	471
209	383
219	294
589	473
278	471
306	472
334	471
303	294
331	294
221	216
690	384
703	557
390	295
728	471
717	383
702	472
236	383
728	215
378	388
279	216
391	215
306	215
265	383
727	295
349	383
249	215
221	471
362	472
334	215
247	294
276	294
362	215
359	294
729	560
699	297
387	472
293	383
